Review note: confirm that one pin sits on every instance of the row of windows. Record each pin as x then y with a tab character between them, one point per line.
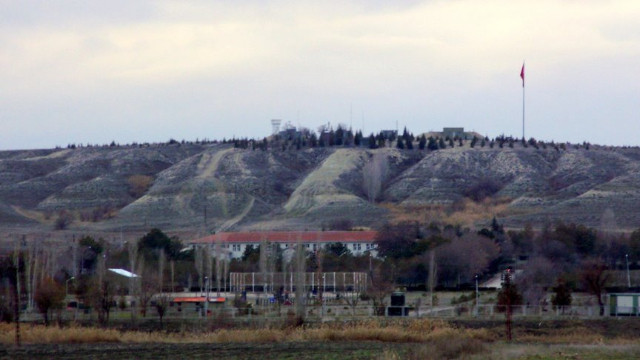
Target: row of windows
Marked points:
355	246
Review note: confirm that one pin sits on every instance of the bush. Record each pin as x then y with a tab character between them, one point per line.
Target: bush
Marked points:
243	307
139	184
6	313
482	189
63	220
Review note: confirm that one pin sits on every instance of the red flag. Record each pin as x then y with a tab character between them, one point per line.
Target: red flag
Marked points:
522	74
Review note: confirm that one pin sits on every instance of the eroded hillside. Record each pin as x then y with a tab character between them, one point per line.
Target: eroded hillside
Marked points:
219	187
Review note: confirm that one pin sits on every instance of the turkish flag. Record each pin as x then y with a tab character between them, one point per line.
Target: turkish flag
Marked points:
522	74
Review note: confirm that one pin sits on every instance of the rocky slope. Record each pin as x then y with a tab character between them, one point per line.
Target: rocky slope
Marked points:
219	187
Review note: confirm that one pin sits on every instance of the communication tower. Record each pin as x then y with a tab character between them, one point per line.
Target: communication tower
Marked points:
275	126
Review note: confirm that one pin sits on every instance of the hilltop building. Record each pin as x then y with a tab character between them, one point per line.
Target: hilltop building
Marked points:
454	132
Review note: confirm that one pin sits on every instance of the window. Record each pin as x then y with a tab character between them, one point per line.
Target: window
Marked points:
236	247
315	247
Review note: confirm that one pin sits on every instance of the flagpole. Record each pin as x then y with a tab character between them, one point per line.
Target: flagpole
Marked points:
522	76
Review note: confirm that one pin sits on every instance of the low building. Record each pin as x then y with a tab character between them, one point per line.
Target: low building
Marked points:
454	132
233	244
624	304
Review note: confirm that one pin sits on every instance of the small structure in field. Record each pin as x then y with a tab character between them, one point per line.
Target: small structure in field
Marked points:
624	304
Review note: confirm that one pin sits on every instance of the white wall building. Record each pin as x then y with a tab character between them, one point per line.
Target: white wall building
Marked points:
235	243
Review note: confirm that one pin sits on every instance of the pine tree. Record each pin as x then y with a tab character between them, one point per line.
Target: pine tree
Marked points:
423	142
432	144
372	141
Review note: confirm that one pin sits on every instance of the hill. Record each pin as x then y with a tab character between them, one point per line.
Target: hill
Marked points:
182	187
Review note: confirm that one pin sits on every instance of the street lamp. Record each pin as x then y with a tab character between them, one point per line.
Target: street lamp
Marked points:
626	256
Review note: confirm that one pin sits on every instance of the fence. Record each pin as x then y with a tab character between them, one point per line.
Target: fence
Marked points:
274	281
328	310
494	311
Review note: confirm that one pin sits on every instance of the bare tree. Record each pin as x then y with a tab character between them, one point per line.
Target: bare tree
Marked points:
162	259
48	296
162	304
379	287
539	274
209	265
463	257
319	274
374	173
300	281
433	279
199	264
28	273
148	288
132	250
225	273
595	278
102	293
264	263
352	298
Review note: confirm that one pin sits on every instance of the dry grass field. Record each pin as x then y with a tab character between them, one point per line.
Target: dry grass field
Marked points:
373	339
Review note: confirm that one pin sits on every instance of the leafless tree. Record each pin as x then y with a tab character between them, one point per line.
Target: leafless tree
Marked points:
539	273
161	262
225	273
209	264
148	288
132	250
300	280
464	257
199	264
101	293
433	278
264	258
28	272
48	296
320	260
218	255
352	298
162	304
374	174
595	278
380	285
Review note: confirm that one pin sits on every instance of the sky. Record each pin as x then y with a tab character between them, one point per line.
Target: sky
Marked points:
148	71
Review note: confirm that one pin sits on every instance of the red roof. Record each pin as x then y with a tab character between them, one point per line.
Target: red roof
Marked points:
198	299
290	237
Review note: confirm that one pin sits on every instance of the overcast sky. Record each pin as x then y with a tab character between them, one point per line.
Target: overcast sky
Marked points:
145	71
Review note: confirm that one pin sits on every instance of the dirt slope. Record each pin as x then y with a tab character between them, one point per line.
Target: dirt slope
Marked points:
214	187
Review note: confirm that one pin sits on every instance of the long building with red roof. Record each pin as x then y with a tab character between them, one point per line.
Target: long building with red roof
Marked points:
235	243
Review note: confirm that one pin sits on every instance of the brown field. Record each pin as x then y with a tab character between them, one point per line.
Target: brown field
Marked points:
374	339
464	212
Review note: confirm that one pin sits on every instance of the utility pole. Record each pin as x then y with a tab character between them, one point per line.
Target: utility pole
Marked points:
626	256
